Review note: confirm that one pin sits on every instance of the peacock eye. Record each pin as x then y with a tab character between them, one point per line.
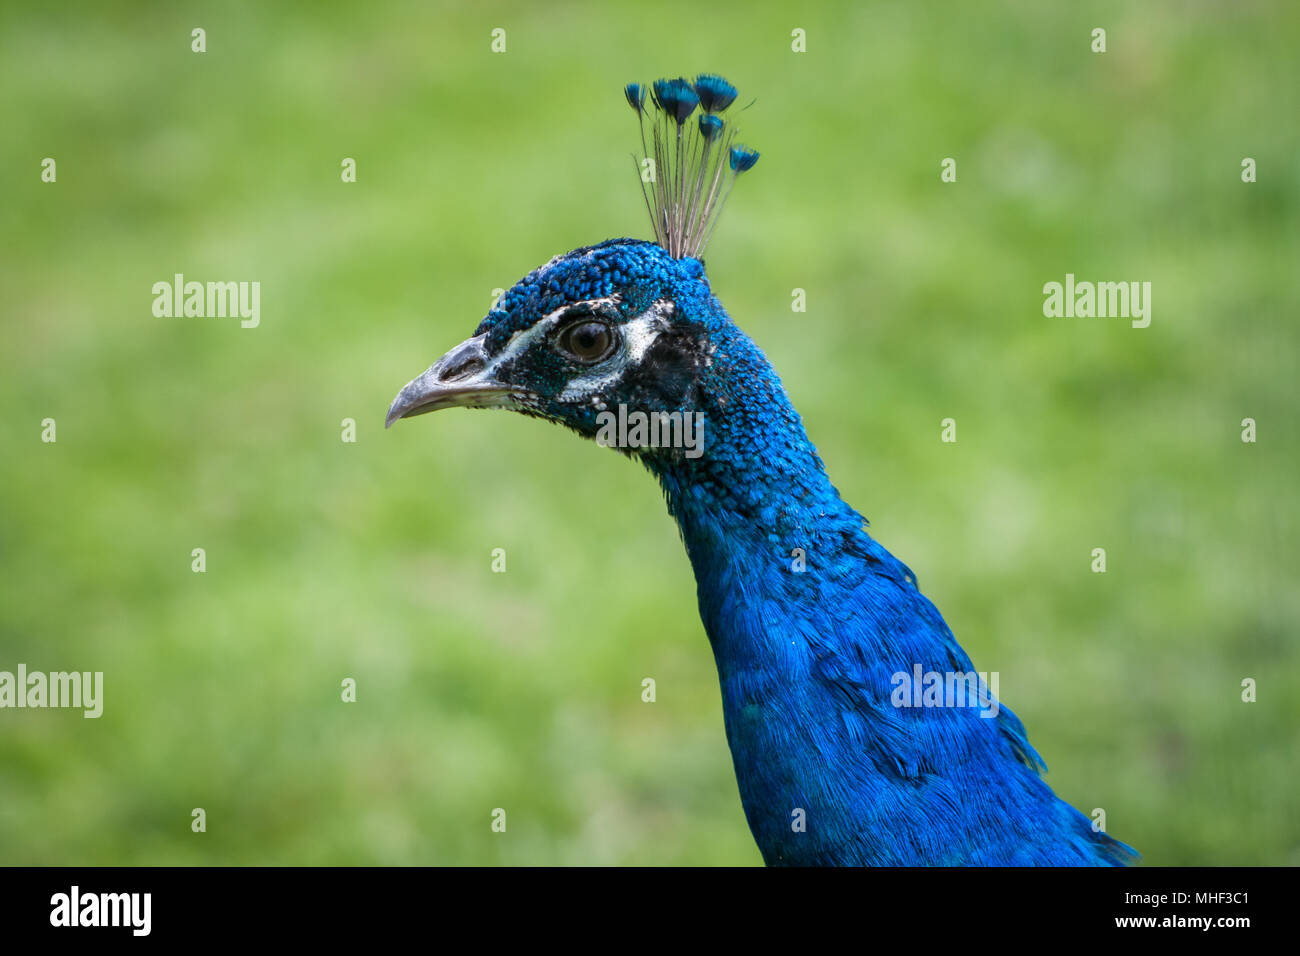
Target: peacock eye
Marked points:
588	342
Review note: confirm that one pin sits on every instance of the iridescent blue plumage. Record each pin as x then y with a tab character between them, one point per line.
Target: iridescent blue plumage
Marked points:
676	97
715	93
811	621
635	94
743	158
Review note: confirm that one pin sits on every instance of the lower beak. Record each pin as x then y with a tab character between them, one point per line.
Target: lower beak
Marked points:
460	379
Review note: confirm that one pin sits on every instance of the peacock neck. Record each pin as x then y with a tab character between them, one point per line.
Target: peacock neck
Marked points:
800	606
762	523
757	487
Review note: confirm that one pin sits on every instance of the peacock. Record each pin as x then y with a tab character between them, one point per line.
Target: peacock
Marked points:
860	732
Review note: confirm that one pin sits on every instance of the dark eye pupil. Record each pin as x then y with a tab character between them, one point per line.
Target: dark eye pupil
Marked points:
589	340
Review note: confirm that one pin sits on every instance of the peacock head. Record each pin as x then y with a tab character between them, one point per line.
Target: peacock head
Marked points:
626	332
618	324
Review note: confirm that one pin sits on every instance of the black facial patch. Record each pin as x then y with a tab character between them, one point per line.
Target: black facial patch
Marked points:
668	376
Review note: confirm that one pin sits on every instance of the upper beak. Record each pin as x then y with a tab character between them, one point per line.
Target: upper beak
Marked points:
461	378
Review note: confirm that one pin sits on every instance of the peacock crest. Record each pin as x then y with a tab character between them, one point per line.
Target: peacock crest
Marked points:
687	169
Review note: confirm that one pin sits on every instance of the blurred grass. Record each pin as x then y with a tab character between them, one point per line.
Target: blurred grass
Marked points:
372	560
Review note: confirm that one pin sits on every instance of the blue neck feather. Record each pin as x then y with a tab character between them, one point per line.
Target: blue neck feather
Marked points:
830	771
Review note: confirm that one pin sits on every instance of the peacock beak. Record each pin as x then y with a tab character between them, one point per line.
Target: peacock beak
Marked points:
460	379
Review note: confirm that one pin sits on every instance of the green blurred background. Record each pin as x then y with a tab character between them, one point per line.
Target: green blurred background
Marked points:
372	560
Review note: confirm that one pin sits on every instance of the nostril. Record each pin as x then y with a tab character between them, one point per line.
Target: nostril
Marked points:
462	366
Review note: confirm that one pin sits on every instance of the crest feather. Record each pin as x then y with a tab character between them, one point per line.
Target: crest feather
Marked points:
691	167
